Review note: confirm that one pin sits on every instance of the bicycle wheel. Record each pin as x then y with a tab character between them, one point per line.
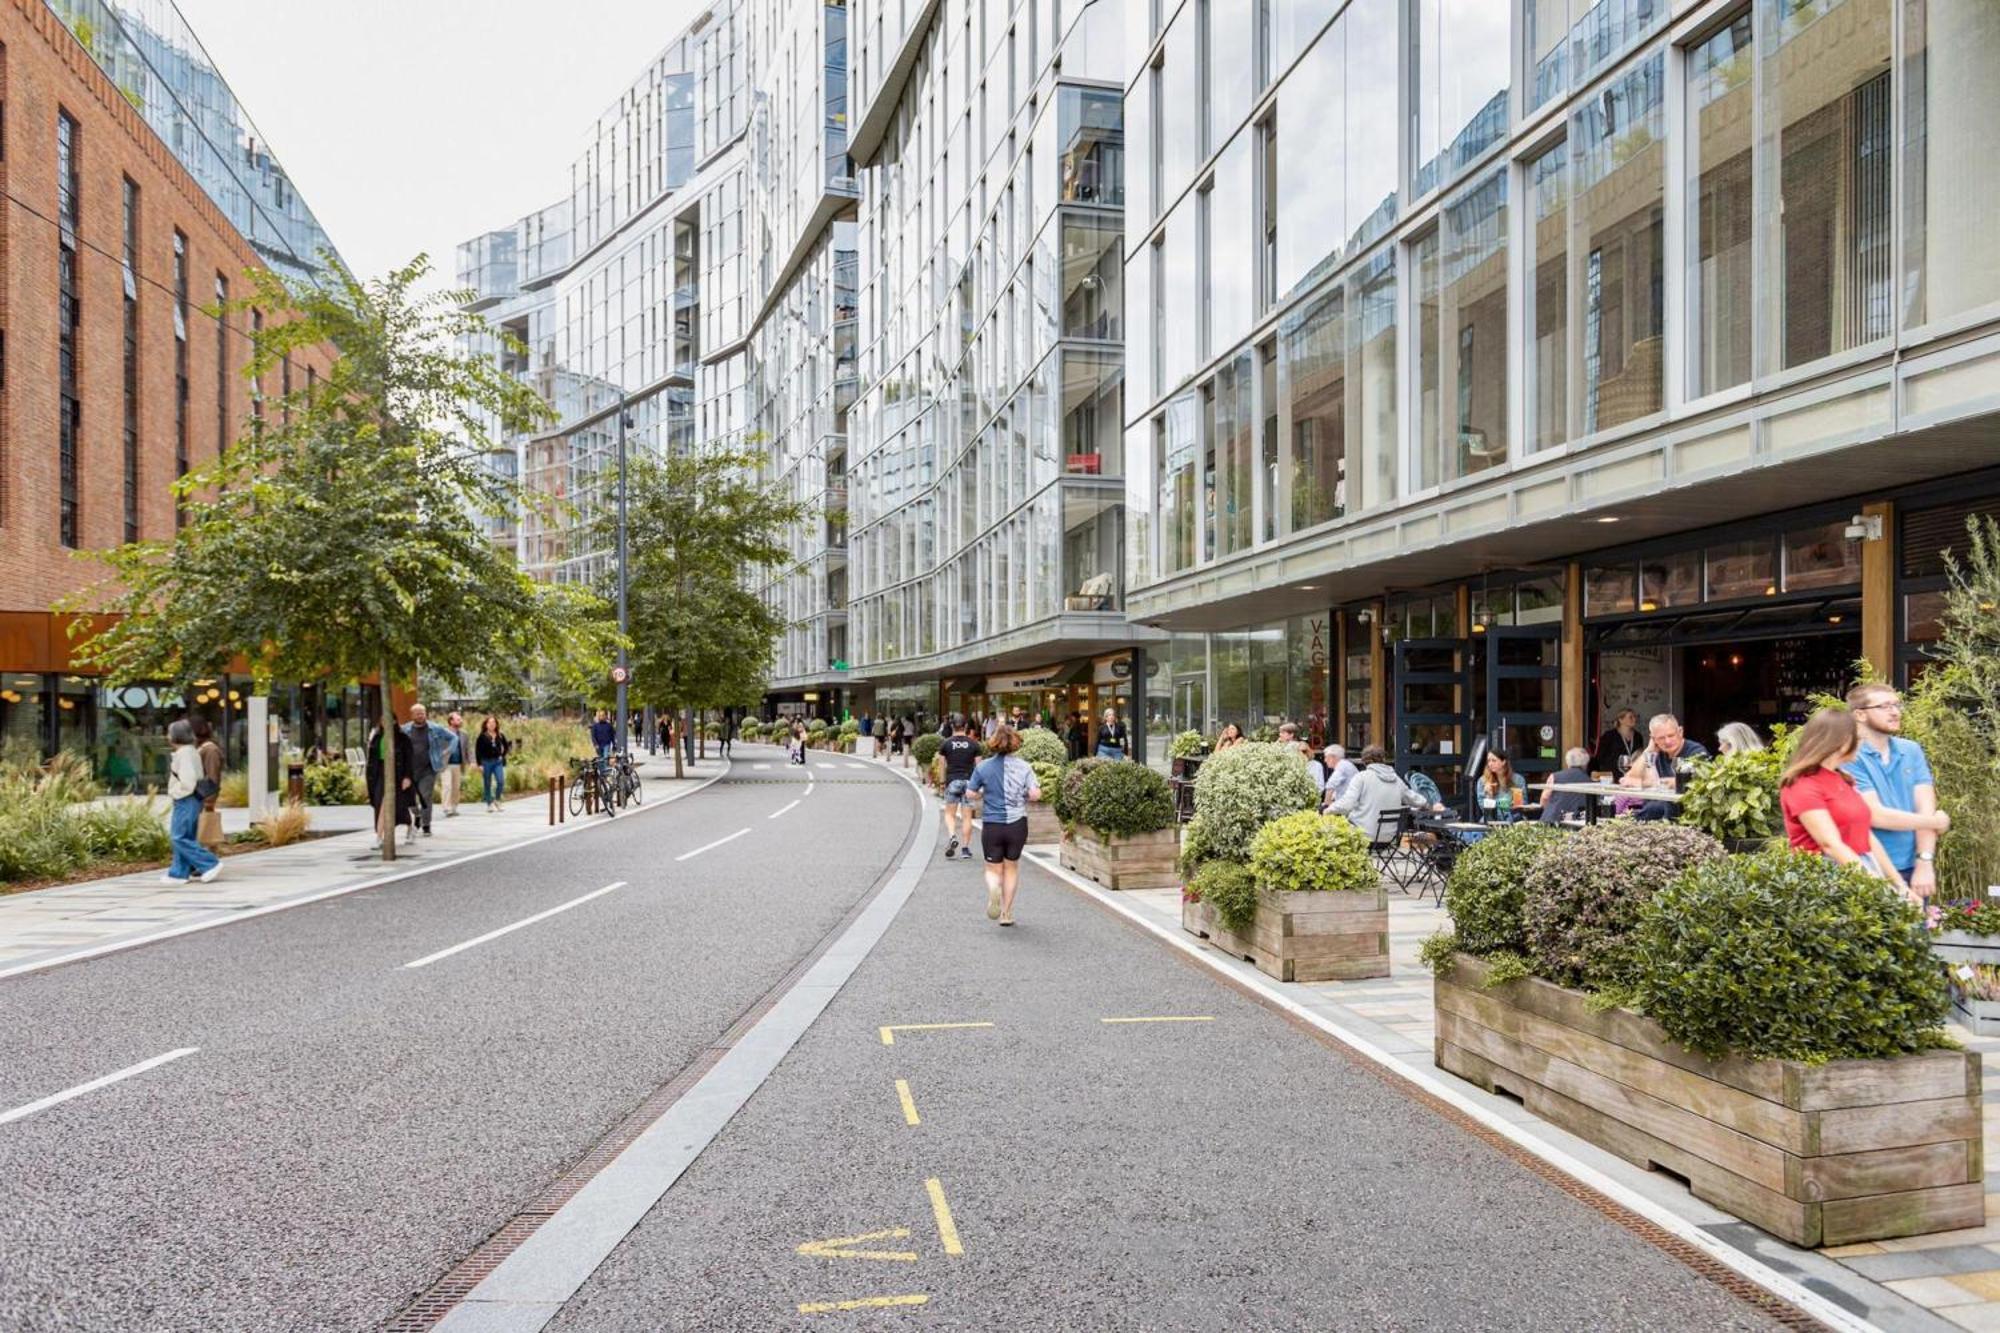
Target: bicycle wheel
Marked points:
632	789
576	793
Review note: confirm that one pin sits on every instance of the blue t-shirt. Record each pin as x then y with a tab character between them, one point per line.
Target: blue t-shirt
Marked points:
1003	782
1894	778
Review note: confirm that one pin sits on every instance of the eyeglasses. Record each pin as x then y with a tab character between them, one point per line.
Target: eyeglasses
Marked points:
1893	705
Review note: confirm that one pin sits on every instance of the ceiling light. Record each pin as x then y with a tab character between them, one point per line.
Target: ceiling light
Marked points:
1608	518
1308	587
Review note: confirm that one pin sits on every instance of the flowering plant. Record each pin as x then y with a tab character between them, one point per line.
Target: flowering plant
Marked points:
1981	916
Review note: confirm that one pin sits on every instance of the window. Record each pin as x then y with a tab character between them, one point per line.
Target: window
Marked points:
1180	444
1951	141
131	437
1305	170
1370	107
1268	445
221	365
1462	355
1547	354
1620	156
1091	122
1092	408
181	386
1371	304
1459	99
1313	382
69	316
1093	276
1719	291
1235	443
1204	265
1156	81
1567	41
1267	211
1232	69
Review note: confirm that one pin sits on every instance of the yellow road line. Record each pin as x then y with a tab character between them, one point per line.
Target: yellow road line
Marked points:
837	1247
909	1107
1202	1018
865	1303
947	1229
889	1031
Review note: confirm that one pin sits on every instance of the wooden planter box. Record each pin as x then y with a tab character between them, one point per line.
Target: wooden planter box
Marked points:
1141	861
1962	946
1305	936
1043	826
1832	1154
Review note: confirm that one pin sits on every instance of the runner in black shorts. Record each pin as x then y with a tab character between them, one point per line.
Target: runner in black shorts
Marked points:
1004	785
960	753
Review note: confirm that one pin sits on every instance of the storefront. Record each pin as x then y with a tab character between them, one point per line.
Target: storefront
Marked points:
1050	695
1256	678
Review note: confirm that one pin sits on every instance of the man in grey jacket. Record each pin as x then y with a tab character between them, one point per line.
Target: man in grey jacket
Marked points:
430	748
1374	791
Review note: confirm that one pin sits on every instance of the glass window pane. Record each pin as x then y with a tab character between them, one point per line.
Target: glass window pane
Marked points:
1313	382
1231	67
1923	617
1235	445
1092	271
1462	61
1232	255
1720	107
1605	29
1141	493
1371	422
1472	349
1177	484
1741	569
1821	557
1952	120
1610	590
1670	580
1093	146
1547	298
1539	601
1181	109
1312	200
1091	550
1619	138
1546	39
1372	174
1826	79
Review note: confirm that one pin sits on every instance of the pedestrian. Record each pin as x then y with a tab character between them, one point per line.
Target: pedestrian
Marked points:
1619	744
961	755
1823	811
1003	785
665	727
491	751
1112	740
188	788
458	755
1893	776
725	732
428	747
895	736
603	735
209	831
798	752
1077	736
400	813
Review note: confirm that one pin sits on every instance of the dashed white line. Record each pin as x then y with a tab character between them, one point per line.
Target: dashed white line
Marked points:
709	847
760	767
23	1112
430	958
781	810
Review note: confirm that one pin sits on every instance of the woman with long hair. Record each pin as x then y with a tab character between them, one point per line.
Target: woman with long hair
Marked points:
1737	738
1823	811
490	749
1232	735
187	787
1003	784
1501	791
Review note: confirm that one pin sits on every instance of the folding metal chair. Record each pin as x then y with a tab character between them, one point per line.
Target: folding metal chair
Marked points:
1392	859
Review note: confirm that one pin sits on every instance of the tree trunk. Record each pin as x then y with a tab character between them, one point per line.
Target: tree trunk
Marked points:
388	813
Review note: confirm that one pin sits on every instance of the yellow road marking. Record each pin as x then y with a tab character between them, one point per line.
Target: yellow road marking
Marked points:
837	1248
947	1229
865	1303
889	1031
1203	1018
909	1107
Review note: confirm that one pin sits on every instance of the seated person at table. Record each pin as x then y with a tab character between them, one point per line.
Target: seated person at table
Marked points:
1823	811
1501	792
1375	791
1558	806
1737	738
1664	765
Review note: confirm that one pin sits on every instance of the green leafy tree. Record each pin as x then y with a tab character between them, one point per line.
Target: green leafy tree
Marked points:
698	525
340	536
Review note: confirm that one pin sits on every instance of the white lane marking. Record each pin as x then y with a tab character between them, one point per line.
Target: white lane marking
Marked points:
825	765
760	767
857	765
709	847
781	810
429	958
23	1112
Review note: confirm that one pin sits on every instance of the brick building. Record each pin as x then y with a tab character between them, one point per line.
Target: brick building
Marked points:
136	195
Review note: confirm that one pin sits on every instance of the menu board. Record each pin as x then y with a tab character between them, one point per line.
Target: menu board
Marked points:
1641	679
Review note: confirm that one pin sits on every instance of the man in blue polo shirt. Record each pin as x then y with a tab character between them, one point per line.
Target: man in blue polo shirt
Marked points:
1894	777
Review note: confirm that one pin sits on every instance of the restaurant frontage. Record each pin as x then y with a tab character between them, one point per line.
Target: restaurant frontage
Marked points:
1048	695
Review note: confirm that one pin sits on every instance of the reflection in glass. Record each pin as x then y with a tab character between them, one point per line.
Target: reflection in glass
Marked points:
1313	382
1460	99
1741	569
1372	174
1720	110
1462	272
1547	298
1670	580
1178	517
1092	403
1610	590
1312	162
1372	423
1091	122
1093	273
1235	445
1951	118
1620	163
1821	557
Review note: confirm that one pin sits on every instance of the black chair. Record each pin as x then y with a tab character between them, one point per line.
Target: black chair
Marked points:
1392	859
1435	859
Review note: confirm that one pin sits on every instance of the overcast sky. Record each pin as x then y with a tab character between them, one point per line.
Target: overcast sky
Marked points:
412	125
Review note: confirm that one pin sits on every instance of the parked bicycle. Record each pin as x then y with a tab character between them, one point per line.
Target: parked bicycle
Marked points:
591	787
624	780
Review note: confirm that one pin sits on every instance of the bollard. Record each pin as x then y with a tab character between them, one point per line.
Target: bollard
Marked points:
552	802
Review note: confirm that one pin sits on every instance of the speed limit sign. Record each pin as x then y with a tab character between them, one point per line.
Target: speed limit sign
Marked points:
621	675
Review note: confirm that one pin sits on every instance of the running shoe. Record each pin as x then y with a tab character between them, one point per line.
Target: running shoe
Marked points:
951	849
992	903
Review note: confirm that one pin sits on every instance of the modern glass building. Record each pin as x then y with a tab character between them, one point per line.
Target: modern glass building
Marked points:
1498	364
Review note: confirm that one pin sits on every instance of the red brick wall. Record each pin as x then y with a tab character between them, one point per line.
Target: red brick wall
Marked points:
46	71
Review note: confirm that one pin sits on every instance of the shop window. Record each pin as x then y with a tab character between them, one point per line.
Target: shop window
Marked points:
1672	580
1741	569
1539	601
1821	557
1951	140
1923	617
1610	590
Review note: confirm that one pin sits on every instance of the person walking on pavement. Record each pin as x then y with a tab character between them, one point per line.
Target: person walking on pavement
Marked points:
209	832
603	735
458	754
491	751
1112	739
1893	776
1003	785
724	732
1077	736
428	747
188	789
390	816
961	755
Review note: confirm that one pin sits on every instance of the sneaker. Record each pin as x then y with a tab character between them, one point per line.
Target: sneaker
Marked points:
173	879
208	875
992	903
1007	920
965	853
951	849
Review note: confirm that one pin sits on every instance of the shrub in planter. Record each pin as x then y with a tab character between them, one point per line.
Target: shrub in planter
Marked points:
1734	797
1239	791
1311	853
1039	745
1788	956
1229	889
235	792
1488	885
1584	892
131	831
333	784
1123	799
925	747
1067	796
1187	745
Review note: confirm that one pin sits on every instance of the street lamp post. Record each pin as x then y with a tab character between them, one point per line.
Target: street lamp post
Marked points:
624	718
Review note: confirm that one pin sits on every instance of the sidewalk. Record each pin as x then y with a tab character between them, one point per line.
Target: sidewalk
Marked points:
1947	1280
45	926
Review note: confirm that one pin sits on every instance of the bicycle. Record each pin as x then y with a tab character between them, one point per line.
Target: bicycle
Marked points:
590	787
625	780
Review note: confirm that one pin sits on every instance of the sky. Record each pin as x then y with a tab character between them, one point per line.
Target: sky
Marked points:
412	125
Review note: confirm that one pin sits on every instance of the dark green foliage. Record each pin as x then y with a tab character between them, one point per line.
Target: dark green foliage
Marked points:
1039	745
1125	798
1067	797
1488	886
1584	894
1230	889
1785	955
1736	795
925	747
333	784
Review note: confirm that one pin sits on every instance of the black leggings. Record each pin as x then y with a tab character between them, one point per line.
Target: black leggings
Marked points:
1003	842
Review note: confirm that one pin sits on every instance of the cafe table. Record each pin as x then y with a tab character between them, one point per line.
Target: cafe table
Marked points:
1608	791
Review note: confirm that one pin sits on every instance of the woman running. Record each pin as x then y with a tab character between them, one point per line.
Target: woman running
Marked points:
1004	785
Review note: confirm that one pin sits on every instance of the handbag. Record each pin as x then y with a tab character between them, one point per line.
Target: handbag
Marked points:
209	831
207	789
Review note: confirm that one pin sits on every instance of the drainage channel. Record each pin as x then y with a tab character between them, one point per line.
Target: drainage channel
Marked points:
442	1296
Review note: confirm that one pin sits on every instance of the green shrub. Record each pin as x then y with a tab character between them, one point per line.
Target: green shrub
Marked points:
925	747
1584	892
816	727
1239	791
1067	798
125	831
1736	795
1230	889
1488	886
1048	778
1264	733
1039	745
850	727
1788	956
1186	745
333	784
1311	853
1122	799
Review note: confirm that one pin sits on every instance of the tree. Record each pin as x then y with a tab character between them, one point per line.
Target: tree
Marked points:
340	537
698	525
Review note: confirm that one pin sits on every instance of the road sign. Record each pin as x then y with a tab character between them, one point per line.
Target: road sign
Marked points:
621	675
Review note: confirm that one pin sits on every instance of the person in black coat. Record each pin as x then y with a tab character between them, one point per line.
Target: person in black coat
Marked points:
406	791
1077	736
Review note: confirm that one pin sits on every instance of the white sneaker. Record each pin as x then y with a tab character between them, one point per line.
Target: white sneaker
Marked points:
172	879
208	875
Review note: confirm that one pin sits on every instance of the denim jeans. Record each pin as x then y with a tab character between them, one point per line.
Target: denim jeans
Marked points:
426	787
1109	752
493	778
190	857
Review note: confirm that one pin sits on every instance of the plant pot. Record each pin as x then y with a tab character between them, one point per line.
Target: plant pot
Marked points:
1827	1154
1982	1016
1962	946
1305	936
1043	826
1140	861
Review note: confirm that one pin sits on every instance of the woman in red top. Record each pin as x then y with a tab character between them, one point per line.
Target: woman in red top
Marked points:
1823	811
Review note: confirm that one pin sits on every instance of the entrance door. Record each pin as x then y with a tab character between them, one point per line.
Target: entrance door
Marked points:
1524	698
1431	698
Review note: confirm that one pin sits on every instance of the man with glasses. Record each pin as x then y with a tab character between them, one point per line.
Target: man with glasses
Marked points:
1894	778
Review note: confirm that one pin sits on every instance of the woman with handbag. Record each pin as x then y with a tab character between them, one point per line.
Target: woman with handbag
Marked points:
209	831
189	789
491	752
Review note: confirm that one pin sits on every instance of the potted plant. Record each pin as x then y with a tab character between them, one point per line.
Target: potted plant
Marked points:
1734	798
1766	1027
1316	909
1185	747
923	750
1238	792
1124	834
1044	752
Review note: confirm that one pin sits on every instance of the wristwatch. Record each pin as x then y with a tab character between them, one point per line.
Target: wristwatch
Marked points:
1926	856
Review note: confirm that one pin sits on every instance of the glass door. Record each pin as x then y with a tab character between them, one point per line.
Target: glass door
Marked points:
1524	698
1431	698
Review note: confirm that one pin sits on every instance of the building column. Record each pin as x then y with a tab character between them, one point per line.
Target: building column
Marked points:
1378	676
1575	682
1135	712
1878	590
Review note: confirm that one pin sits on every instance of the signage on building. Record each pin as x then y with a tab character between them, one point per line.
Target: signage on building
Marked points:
1027	680
1112	670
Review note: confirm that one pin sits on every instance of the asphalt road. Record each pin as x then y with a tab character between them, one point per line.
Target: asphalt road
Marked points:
350	1127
